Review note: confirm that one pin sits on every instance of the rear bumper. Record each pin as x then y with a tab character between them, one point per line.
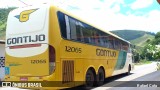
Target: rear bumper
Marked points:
42	83
30	78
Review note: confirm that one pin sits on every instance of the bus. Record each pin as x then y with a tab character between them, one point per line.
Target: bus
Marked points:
46	43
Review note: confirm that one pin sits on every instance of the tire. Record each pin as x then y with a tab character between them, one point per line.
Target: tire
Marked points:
90	79
100	77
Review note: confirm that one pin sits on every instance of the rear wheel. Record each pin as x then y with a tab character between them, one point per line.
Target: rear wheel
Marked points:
90	79
100	77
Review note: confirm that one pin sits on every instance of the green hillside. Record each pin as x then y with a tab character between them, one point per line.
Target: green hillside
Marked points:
138	38
131	34
143	40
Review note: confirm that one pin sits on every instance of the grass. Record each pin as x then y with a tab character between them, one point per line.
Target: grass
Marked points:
141	62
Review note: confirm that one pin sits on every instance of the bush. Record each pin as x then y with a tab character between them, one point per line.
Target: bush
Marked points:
141	62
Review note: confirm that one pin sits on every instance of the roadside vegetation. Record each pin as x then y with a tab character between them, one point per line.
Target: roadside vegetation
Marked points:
141	62
3	21
150	52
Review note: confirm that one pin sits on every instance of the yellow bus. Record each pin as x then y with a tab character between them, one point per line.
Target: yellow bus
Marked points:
46	43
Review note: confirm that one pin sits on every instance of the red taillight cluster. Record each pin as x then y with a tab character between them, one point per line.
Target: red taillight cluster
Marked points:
52	57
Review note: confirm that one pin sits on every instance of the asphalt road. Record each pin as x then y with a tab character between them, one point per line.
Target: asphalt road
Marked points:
143	77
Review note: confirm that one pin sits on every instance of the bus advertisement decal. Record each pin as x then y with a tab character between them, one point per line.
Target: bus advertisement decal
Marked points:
25	39
103	52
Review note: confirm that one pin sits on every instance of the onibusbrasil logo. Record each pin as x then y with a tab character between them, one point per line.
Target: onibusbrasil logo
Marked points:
24	15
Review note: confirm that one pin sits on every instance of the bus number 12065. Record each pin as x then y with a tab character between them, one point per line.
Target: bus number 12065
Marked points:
73	49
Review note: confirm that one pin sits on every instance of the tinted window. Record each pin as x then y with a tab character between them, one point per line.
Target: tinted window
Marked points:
62	23
76	30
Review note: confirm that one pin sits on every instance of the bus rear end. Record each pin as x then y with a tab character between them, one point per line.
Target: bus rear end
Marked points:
27	47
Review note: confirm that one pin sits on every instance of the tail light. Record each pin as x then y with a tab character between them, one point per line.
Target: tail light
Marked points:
51	59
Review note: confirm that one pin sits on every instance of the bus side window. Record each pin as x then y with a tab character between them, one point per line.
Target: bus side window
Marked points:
129	50
72	25
106	40
85	32
92	37
76	30
101	39
111	42
62	24
120	45
96	37
79	32
117	44
125	46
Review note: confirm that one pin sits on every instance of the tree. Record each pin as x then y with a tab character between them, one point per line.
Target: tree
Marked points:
156	53
157	38
152	52
136	55
157	35
3	20
148	40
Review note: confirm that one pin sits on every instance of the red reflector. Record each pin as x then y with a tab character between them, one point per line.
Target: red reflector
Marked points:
23	78
24	46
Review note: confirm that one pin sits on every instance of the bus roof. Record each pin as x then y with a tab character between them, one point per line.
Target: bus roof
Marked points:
85	21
